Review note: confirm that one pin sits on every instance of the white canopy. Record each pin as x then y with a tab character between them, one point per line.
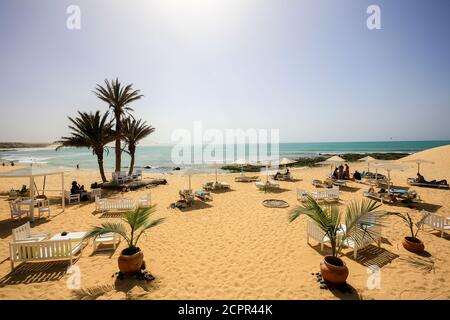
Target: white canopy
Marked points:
31	173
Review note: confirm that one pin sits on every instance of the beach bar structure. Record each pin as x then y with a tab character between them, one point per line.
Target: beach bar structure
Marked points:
31	173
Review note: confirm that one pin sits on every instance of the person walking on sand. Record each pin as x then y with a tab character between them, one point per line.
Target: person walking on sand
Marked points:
78	166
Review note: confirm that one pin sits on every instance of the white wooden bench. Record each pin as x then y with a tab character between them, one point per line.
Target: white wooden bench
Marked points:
328	194
45	250
114	204
23	233
436	221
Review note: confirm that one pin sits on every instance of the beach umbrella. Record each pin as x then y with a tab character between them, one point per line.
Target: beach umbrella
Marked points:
333	161
216	165
389	166
419	162
285	161
241	163
190	172
368	160
267	164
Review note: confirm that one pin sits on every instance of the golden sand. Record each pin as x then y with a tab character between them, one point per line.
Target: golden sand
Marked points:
234	247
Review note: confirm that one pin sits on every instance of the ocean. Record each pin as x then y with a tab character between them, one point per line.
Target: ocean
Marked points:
159	157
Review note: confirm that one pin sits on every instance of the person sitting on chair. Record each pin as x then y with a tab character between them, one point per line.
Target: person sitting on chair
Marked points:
77	189
335	173
357	175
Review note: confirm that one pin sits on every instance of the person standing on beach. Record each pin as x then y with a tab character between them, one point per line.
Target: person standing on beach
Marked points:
78	166
341	172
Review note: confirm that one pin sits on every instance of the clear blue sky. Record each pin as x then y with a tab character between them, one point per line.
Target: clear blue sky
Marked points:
310	68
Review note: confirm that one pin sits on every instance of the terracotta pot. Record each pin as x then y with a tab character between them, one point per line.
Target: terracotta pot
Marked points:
333	270
413	244
130	264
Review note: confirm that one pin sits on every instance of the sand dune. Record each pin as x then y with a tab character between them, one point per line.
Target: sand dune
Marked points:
235	248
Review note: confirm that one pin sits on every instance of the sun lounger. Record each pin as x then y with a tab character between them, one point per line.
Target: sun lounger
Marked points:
373	235
413	182
221	185
266	185
203	195
246	179
436	221
145	201
187	196
322	184
108	241
208	186
282	177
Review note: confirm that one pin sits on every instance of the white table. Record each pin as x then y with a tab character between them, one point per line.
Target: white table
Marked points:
27	202
73	236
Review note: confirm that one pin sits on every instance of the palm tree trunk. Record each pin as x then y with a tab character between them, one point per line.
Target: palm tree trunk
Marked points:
132	151
118	144
100	165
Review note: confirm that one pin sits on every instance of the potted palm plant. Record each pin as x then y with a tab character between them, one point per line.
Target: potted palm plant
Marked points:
411	243
359	216
138	221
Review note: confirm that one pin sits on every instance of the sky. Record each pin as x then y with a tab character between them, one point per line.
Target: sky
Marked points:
310	68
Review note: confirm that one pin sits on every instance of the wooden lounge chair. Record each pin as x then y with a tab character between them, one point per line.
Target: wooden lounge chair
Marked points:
243	178
203	195
268	185
413	182
187	196
106	241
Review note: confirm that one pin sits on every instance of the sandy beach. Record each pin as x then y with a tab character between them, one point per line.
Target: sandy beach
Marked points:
233	247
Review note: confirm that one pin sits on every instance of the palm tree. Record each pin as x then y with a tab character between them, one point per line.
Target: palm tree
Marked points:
91	130
118	98
134	131
138	221
328	219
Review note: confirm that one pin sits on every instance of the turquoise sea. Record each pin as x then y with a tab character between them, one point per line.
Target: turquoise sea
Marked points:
159	157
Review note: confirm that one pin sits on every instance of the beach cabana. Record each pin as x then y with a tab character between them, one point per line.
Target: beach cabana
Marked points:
32	173
418	162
